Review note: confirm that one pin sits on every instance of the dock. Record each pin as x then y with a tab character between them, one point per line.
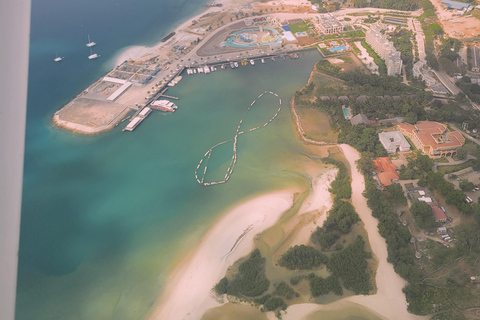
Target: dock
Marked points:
138	118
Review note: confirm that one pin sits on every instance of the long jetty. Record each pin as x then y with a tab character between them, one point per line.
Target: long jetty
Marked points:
233	161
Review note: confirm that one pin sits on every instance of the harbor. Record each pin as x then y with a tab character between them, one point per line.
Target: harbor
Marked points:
135	84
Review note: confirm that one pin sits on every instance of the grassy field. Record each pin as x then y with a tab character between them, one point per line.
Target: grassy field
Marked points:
298	27
316	125
450	169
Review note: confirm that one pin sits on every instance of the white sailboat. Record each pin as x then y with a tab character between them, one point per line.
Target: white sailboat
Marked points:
93	55
57	59
90	43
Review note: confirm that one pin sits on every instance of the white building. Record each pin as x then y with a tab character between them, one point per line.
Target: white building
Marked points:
393	141
328	24
385	49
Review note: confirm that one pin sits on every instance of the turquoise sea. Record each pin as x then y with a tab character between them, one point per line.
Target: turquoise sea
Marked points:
105	217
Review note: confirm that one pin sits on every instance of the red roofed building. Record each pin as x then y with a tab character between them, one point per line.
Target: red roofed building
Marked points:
438	213
433	138
386	171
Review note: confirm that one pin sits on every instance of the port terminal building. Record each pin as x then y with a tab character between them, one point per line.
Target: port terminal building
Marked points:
385	49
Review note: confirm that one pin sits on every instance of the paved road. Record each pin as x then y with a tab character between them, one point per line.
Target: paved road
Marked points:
446	82
466	135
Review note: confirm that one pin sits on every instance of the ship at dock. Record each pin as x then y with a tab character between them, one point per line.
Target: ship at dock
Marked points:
168	37
213	4
164	105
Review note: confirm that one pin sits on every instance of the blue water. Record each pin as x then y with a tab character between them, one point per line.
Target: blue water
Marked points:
338	48
104	217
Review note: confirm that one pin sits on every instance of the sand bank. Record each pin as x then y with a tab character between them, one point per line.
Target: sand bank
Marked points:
188	291
389	302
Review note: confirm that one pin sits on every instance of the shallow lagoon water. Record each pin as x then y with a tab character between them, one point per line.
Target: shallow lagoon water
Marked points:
105	217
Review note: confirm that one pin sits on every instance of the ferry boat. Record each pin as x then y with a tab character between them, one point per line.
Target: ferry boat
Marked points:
164	105
90	43
252	62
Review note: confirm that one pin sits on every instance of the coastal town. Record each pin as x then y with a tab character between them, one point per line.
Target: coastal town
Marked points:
391	108
142	76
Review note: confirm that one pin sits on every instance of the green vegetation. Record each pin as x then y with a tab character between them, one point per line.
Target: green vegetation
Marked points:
339	221
452	196
409	5
400	251
422	213
250	280
351	267
341	186
320	286
302	257
222	286
298	27
456	167
395	196
402	42
325	66
382	68
282	289
472	90
466	185
270	303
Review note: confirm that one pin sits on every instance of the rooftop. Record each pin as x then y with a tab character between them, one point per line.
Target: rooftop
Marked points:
386	171
433	134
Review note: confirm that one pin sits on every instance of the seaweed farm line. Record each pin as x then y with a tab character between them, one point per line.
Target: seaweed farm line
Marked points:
233	161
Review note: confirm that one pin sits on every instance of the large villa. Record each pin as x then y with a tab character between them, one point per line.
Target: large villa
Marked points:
433	138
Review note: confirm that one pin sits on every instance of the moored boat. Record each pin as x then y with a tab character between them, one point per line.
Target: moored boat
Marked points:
164	105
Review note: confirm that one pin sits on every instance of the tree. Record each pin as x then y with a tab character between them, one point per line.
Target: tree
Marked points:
466	185
462	153
411	118
422	213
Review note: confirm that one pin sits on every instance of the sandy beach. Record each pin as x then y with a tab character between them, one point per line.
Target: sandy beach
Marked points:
389	302
188	291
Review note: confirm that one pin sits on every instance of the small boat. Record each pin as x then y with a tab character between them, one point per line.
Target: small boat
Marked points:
93	55
252	62
200	70
58	59
232	65
223	66
90	43
273	58
263	60
206	69
235	64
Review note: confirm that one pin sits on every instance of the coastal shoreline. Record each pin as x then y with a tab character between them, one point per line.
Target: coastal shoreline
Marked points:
187	294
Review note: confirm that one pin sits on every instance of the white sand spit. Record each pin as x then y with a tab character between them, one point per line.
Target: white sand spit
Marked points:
188	292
